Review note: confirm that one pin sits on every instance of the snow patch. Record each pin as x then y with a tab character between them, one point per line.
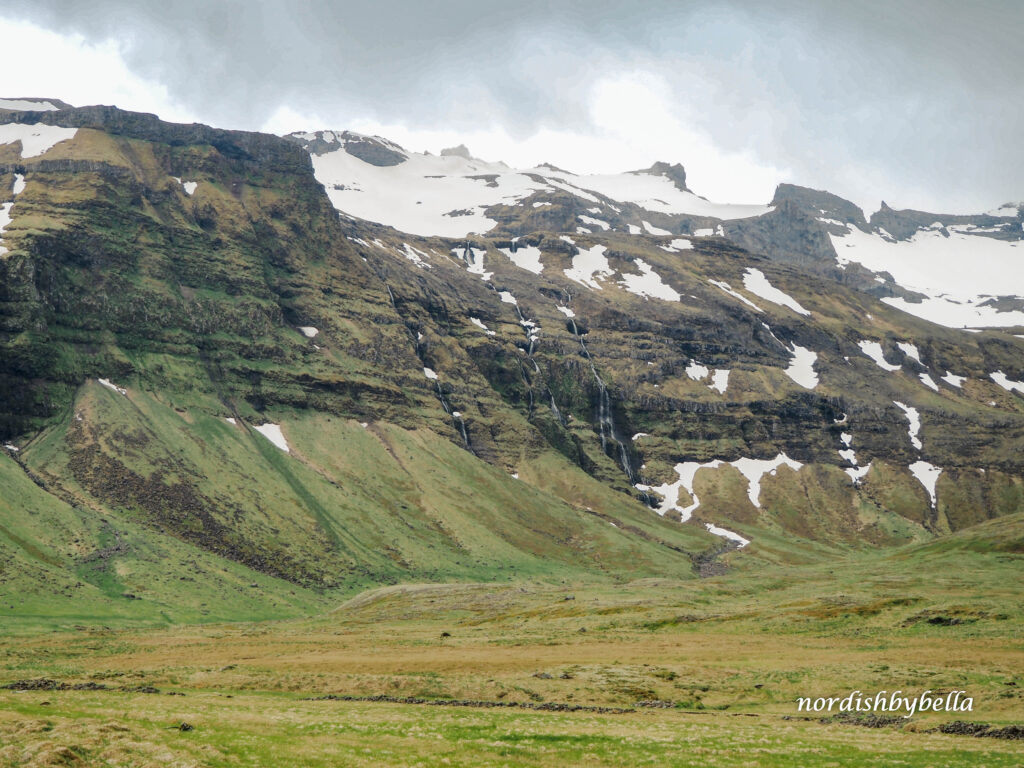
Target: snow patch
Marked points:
594	222
653	230
308	331
915	423
19	185
480	324
5	219
474	261
507	297
648	283
755	469
696	371
719	380
728	289
588	265
525	257
755	282
909	350
669	492
429	373
953	380
801	367
273	433
928	475
566	311
929	382
955	270
1007	383
110	385
414	255
874	350
857	473
715	530
36	139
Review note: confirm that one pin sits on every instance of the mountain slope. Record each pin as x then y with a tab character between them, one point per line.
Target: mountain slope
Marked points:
200	354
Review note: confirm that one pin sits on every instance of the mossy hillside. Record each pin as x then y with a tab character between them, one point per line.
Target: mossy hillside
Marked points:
641	348
194	302
66	564
349	506
121	268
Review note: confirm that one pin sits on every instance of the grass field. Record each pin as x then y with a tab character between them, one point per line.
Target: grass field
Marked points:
726	658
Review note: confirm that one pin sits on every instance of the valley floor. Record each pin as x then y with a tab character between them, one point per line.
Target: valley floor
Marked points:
708	672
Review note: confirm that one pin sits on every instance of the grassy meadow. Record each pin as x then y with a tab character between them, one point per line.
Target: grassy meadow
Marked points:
717	665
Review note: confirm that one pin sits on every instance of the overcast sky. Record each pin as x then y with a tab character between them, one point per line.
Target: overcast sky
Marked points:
919	103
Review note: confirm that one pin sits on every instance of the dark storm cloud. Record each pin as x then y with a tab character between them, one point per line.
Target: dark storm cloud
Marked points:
920	100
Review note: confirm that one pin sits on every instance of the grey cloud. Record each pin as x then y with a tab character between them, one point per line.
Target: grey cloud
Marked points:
919	101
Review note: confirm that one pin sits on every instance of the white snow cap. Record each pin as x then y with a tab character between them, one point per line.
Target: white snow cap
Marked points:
31	105
957	270
449	195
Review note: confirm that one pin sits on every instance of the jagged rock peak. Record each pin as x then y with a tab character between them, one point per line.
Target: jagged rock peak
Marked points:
818	202
374	150
673	171
460	151
552	167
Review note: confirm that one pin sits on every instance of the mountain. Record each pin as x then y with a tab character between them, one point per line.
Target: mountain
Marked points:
240	373
954	270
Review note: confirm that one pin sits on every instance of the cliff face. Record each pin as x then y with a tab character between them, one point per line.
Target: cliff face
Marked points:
456	408
114	263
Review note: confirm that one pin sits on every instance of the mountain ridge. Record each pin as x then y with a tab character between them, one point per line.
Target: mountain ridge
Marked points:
603	399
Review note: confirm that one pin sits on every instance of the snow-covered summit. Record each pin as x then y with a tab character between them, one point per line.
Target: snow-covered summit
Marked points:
372	178
32	104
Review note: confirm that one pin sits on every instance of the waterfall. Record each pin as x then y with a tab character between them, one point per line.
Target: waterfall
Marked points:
605	416
554	409
455	416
